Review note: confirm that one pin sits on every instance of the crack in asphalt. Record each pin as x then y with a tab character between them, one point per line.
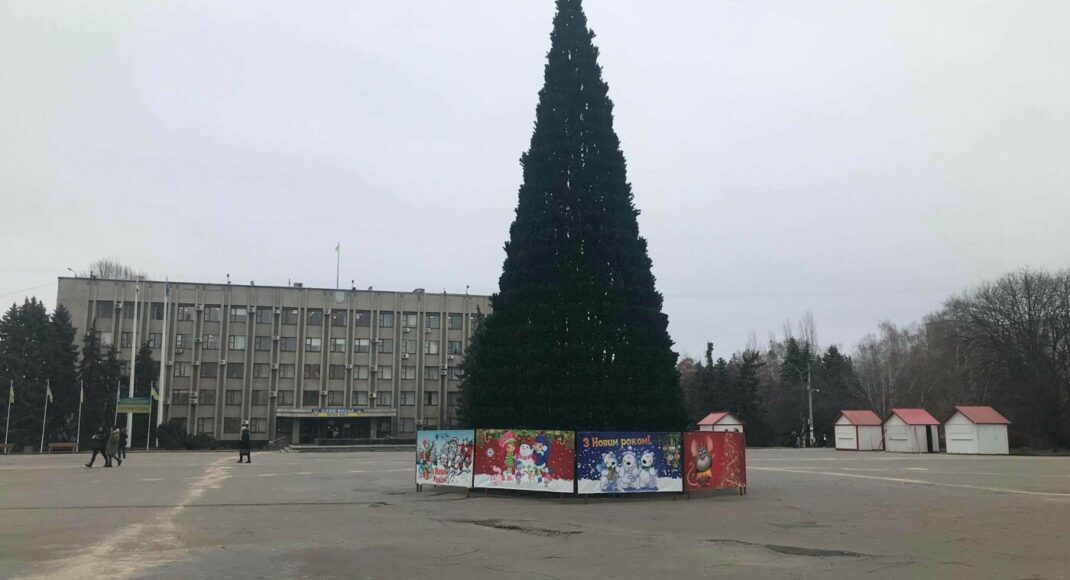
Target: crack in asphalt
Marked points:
796	550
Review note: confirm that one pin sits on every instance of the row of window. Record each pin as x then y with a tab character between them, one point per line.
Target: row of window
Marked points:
314	370
312	398
287	343
206	425
266	315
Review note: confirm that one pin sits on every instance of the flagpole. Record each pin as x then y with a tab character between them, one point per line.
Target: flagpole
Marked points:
78	434
163	357
44	419
118	391
133	357
7	422
148	428
338	266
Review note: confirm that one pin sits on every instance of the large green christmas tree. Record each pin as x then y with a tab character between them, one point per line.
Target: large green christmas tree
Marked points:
577	338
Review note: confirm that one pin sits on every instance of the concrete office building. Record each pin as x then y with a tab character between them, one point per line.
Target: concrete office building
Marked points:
307	363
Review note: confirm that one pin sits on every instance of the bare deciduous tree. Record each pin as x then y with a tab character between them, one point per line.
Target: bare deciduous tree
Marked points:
112	269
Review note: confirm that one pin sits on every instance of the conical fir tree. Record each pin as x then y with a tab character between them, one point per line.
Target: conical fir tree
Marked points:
577	338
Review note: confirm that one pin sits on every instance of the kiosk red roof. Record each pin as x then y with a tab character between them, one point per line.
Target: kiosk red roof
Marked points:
915	416
982	415
862	417
715	418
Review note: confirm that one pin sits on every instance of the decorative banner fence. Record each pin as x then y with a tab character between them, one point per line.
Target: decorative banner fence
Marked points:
714	460
445	458
609	462
531	460
585	463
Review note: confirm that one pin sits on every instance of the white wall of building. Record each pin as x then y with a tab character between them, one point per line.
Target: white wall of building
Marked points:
870	438
961	435
992	439
902	438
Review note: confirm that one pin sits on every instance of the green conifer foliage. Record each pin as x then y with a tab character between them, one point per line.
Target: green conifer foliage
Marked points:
577	337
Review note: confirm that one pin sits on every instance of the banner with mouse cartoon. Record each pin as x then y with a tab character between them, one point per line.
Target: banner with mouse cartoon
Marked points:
528	459
631	462
714	460
445	457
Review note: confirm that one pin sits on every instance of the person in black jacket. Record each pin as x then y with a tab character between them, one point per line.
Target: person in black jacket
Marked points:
100	440
122	443
245	448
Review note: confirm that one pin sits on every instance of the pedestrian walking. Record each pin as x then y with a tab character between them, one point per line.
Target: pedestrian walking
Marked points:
122	443
112	449
245	448
99	442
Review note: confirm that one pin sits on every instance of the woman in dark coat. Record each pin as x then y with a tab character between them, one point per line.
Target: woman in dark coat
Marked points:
100	442
112	450
245	448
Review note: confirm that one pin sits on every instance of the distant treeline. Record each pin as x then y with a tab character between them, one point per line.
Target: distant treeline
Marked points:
1004	344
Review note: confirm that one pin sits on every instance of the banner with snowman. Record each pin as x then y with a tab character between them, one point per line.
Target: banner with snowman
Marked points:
444	457
528	459
629	462
714	460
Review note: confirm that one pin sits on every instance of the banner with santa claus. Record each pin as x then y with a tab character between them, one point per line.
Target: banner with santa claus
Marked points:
527	459
445	457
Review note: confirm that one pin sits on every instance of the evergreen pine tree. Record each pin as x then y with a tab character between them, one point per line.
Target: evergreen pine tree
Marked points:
93	375
577	337
63	373
25	340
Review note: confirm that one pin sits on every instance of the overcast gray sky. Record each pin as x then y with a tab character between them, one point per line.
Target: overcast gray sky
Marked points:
862	160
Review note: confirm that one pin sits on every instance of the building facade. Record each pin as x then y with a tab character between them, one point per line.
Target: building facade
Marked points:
307	363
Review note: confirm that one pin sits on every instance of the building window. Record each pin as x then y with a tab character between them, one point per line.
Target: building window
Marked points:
205	425
336	398
286	398
213	314
156	310
360	372
232	397
386	345
408	372
430	423
312	371
406	425
408	346
239	314
386	320
185	313
289	316
155	339
236	342
182	369
455	347
338	318
264	315
262	343
183	341
385	427
124	368
336	371
453	399
235	370
126	339
430	347
209	342
362	318
313	344
105	309
315	317
287	371
360	398
362	344
434	321
179	397
431	398
128	310
205	397
456	321
474	322
384	399
288	343
430	373
257	425
338	345
104	338
261	371
386	372
453	373
231	425
209	370
260	398
410	320
310	398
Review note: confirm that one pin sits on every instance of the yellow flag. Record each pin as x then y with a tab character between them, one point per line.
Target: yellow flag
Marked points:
81	395
11	395
154	394
48	393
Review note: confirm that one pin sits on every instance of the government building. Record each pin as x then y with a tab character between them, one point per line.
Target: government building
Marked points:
303	363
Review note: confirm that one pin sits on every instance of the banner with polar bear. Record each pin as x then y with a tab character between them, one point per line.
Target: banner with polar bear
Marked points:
629	462
533	460
714	460
445	457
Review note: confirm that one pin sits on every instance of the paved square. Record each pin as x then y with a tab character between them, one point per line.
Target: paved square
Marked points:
809	513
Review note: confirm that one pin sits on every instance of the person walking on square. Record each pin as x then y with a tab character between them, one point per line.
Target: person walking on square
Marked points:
99	442
122	443
112	449
245	448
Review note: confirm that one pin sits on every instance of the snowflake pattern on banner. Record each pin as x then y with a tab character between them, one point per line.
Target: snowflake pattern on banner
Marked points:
445	457
631	462
528	459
